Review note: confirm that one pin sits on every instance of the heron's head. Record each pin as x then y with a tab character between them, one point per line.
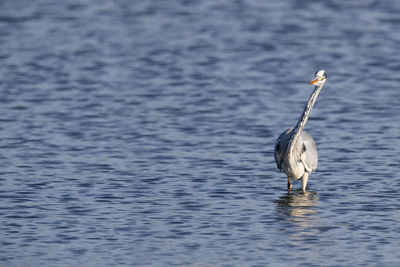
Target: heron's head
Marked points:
319	78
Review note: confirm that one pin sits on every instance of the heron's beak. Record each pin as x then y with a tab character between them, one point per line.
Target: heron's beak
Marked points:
314	81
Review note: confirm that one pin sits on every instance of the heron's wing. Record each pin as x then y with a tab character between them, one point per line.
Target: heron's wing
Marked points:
309	154
281	146
278	160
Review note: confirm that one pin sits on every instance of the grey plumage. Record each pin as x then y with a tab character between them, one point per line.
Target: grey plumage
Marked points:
307	149
295	150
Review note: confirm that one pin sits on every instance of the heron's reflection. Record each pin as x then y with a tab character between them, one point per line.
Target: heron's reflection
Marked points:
300	221
298	206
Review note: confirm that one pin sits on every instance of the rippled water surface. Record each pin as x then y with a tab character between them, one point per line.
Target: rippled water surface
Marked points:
141	133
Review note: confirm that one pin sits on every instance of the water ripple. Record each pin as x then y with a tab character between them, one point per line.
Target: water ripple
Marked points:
142	134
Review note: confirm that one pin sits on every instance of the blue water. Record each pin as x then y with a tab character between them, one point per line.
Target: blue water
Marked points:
141	133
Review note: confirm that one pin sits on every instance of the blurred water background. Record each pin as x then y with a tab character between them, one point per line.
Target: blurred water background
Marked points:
141	133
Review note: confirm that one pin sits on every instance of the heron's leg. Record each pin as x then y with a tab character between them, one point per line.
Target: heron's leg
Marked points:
305	180
289	184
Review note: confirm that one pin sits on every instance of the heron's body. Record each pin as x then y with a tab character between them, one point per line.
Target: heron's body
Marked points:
295	150
305	155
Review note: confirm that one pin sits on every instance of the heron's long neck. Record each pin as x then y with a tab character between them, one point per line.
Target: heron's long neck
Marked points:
304	117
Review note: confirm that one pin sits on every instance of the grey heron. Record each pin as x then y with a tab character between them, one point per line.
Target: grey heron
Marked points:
295	151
